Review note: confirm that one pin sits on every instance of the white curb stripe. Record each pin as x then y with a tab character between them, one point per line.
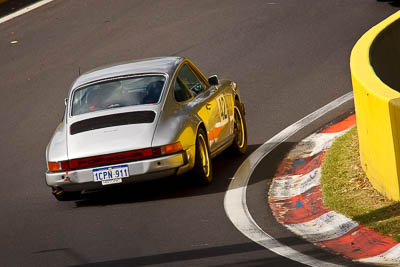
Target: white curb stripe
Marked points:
291	186
320	142
326	227
24	10
235	198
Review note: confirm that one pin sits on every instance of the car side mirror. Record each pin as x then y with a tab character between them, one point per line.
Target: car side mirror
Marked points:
213	80
65	101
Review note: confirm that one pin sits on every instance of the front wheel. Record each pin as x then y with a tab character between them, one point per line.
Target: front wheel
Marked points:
239	145
202	162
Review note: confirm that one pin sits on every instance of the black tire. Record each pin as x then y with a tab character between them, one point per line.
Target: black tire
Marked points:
202	162
239	145
61	195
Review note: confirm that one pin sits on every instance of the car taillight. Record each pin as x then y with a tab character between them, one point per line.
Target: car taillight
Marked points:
57	166
114	158
110	158
167	149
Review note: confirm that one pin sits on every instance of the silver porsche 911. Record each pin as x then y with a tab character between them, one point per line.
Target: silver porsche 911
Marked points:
143	120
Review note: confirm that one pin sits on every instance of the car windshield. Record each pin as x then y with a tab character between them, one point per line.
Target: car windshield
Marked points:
118	93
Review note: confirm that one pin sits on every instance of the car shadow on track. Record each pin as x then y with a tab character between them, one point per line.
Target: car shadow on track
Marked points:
179	257
193	256
224	167
183	186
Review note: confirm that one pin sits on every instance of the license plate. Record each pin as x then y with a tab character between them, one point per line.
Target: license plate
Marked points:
110	175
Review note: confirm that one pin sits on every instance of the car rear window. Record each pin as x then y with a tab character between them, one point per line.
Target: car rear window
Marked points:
118	93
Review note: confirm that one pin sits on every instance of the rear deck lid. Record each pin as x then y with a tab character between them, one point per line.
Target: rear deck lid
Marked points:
113	133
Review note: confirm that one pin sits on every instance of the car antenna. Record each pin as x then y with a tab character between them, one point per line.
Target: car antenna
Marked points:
79	71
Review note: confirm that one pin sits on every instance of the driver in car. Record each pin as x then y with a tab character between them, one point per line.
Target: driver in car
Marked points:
153	90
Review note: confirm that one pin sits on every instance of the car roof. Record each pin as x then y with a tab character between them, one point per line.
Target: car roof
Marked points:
150	65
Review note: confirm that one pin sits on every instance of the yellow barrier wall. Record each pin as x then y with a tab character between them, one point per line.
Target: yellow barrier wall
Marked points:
376	58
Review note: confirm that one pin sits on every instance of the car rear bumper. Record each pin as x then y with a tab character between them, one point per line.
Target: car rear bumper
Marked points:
78	180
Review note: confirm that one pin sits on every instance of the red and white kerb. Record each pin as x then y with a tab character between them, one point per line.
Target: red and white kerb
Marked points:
295	198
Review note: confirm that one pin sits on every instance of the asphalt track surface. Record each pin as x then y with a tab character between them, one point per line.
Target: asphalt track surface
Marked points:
288	57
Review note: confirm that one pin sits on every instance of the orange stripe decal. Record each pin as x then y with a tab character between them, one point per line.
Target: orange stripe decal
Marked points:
215	132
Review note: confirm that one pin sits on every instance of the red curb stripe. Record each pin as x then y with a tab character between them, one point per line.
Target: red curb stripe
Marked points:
300	166
299	209
361	242
341	126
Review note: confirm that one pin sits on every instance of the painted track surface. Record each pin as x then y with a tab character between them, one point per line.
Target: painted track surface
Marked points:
280	53
295	198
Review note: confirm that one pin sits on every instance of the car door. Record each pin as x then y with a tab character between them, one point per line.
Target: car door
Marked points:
205	102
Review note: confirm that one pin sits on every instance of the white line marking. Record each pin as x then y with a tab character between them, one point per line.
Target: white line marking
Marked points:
235	198
322	141
24	10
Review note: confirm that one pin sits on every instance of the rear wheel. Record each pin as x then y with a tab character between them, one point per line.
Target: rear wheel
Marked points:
239	145
202	165
61	195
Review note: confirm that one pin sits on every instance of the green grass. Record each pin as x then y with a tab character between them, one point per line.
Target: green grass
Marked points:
346	189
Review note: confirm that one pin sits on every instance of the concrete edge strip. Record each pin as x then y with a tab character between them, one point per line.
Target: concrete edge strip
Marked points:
24	10
326	229
235	197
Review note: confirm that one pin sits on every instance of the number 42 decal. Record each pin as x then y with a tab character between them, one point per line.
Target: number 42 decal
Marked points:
223	109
